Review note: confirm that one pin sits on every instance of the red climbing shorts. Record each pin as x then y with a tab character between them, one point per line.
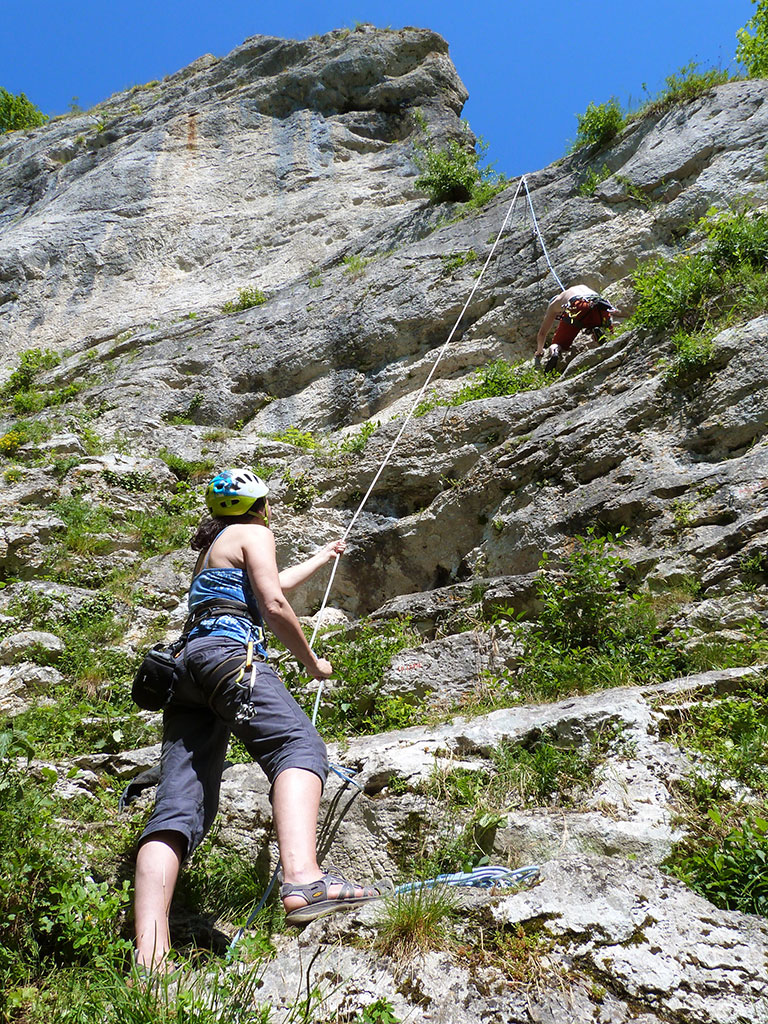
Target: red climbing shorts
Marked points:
579	316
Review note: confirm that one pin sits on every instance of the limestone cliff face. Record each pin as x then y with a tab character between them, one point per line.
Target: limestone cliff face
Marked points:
251	169
124	231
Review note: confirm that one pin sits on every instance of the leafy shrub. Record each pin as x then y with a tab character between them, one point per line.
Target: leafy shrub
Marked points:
732	735
17	112
354	443
301	492
86	524
355	264
684	85
732	871
672	293
502	378
691	361
23	432
447	175
752	50
521	776
495	380
599	124
298	438
708	289
357	706
32	362
454	174
168	525
246	299
50	908
583	603
591	633
735	237
185	470
31	401
82	919
457	260
592	180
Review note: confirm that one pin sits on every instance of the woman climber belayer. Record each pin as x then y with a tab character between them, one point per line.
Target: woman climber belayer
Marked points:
224	685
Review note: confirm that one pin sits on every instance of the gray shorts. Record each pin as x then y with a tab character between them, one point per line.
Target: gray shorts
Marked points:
213	697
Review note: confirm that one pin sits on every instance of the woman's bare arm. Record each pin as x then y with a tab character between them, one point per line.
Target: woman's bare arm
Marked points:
261	565
295	575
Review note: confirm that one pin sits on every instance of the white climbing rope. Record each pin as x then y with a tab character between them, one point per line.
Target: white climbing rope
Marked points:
404	424
541	240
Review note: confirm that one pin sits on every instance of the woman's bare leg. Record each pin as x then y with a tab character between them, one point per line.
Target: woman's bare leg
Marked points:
157	868
295	805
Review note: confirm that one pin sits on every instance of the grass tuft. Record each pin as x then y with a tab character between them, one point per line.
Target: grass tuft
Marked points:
415	922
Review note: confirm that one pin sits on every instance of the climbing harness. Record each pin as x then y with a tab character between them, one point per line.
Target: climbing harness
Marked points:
215	608
590	313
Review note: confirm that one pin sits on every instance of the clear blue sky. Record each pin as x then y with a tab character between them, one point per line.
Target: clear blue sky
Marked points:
530	67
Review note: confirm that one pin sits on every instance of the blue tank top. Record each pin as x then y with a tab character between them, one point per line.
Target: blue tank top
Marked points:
228	585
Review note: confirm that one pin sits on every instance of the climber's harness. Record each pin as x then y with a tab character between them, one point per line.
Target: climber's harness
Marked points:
216	608
152	687
589	313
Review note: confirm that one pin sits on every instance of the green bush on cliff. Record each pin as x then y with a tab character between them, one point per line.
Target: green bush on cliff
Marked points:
453	174
357	705
51	908
731	734
592	632
247	298
495	380
729	870
599	123
602	122
692	295
17	112
501	378
752	50
690	82
32	362
724	855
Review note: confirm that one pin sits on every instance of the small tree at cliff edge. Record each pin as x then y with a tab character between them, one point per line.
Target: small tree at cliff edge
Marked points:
17	112
752	50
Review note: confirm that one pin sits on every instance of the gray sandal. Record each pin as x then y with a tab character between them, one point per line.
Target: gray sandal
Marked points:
320	903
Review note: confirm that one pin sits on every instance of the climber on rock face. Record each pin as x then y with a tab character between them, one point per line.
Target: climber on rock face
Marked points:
223	684
578	308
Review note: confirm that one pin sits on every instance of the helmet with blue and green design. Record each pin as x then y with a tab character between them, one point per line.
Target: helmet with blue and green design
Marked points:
233	492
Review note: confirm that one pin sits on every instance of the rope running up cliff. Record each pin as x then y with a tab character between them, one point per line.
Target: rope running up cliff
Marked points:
522	183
